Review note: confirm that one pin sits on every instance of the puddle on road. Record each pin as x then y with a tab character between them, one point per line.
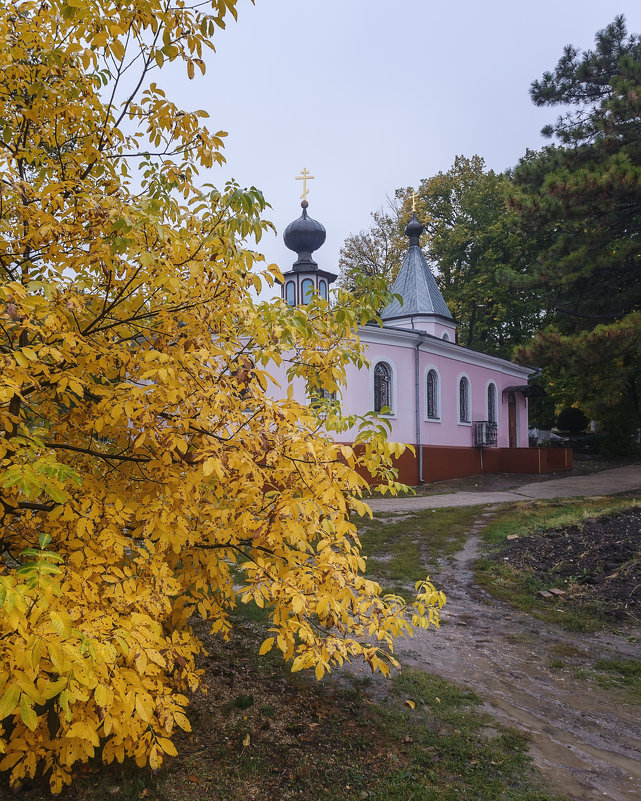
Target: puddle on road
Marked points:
586	742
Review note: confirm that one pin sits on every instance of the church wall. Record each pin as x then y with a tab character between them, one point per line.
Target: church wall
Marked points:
417	342
448	448
441	463
451	363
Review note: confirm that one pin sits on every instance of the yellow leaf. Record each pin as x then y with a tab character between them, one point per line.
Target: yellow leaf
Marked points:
410	703
322	608
209	466
155	758
266	646
143	710
27	686
117	49
141	663
9	700
155	657
27	713
246	740
61	623
167	746
182	721
52	689
101	695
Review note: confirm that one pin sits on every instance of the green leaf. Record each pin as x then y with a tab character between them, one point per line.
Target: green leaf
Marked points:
55	493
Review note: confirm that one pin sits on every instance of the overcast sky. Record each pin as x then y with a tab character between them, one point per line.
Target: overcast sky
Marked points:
371	95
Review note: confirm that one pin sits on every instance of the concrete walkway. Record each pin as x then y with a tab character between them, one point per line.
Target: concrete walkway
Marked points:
607	482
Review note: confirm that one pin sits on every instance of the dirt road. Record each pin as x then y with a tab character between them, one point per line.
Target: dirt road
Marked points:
585	741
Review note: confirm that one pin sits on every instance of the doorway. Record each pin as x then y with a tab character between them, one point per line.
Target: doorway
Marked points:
511	420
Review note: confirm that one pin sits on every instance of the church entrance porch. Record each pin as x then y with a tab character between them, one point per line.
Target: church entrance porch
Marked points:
511	420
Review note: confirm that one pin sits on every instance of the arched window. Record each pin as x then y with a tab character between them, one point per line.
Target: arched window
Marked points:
382	386
322	289
446	337
432	395
320	397
464	400
290	293
307	288
491	403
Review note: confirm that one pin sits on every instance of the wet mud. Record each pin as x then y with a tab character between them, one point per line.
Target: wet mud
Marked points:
585	740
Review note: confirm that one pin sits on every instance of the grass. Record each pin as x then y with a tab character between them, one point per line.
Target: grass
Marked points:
519	586
334	743
265	734
621	675
400	549
528	518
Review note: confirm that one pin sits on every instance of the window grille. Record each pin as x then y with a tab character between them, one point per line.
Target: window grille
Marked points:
432	395
320	399
382	386
484	433
491	403
464	400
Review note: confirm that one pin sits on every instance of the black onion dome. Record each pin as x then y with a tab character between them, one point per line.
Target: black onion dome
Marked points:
304	236
413	230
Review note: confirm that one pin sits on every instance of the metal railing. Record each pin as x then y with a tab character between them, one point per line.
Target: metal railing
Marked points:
484	433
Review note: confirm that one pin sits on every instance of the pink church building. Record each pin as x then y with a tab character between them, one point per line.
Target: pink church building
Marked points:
465	412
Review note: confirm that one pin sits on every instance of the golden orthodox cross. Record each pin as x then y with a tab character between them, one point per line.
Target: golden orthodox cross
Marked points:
304	177
414	196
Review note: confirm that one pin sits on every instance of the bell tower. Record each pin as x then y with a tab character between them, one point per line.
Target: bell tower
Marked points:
304	236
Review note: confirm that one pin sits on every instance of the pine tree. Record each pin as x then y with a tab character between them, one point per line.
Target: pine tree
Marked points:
581	199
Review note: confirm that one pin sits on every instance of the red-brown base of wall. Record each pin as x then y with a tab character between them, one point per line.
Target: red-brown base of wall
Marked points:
440	463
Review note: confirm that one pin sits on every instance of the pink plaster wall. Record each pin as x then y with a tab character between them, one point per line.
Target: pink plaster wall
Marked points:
358	396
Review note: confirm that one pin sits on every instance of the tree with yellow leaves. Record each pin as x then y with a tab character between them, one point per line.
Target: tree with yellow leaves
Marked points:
147	474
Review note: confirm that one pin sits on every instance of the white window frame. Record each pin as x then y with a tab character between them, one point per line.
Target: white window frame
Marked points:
287	283
458	400
303	300
438	417
492	383
393	379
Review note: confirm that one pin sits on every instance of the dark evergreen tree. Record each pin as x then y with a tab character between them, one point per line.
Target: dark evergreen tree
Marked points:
473	240
580	198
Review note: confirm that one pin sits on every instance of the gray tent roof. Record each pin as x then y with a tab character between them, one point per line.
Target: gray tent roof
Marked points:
417	287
